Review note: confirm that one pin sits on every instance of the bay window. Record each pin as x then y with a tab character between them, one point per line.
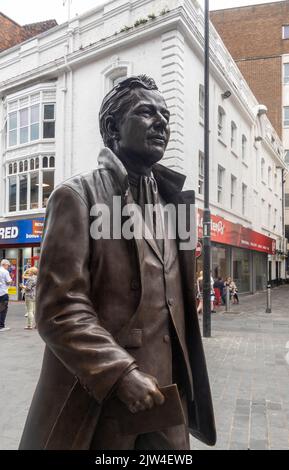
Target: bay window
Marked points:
29	183
30	123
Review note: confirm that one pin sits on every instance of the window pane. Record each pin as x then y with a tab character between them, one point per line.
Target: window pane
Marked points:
10	168
23	135
32	164
26	165
12	194
21	167
12	121
37	163
47	186
286	32
45	162
49	111
23	113
51	162
48	130
35	113
34	131
23	192
12	137
286	116
34	190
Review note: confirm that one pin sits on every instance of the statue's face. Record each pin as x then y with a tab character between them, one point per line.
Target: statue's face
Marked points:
144	131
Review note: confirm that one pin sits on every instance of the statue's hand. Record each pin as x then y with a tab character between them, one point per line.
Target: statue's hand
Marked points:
139	391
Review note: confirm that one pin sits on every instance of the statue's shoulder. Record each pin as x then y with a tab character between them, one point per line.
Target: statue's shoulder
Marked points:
80	184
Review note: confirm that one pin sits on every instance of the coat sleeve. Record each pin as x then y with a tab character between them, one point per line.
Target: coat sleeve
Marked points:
66	318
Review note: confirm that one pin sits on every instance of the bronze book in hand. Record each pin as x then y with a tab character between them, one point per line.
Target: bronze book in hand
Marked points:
164	416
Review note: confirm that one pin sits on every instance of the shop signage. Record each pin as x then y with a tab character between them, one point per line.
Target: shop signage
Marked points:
25	231
228	233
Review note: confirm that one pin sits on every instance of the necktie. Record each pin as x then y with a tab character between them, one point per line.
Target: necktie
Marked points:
150	204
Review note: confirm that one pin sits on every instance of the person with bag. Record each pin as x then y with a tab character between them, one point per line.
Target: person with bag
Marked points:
30	296
5	281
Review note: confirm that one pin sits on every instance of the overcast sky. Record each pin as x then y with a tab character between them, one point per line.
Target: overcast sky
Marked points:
30	11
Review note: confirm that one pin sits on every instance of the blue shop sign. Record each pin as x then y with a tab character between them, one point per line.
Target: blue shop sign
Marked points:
25	231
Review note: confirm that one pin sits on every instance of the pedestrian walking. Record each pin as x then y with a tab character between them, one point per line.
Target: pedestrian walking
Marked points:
30	296
5	281
232	289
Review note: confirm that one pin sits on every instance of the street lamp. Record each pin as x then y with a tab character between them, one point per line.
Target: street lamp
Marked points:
207	214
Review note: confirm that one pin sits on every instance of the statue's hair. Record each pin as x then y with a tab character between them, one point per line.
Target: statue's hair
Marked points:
117	102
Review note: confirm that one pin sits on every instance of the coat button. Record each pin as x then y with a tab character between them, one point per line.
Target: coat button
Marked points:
166	339
135	285
170	302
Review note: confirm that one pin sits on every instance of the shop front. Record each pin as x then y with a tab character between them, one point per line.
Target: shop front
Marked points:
20	244
238	252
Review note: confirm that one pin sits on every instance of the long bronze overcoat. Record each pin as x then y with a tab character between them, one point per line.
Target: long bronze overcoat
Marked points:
87	293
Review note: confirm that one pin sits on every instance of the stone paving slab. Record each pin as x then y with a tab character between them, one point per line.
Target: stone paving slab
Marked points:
248	363
249	373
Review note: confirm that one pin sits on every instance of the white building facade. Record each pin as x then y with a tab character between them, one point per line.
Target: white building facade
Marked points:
51	89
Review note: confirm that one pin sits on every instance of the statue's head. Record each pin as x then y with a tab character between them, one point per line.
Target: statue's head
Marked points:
134	121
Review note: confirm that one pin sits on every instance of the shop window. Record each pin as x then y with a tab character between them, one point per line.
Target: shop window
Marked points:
241	269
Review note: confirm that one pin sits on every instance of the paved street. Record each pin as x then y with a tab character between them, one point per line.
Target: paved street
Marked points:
247	365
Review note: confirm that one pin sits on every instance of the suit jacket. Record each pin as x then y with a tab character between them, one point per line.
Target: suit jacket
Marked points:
87	292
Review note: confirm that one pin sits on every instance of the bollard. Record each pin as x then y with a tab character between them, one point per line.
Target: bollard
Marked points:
227	299
268	309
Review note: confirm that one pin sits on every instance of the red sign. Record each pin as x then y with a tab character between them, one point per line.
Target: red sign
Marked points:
198	249
228	233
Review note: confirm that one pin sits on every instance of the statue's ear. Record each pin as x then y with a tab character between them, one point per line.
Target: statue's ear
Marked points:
111	127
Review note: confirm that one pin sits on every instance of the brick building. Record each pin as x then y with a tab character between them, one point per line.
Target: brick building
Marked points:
11	33
257	37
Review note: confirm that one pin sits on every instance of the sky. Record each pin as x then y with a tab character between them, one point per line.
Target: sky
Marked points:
30	11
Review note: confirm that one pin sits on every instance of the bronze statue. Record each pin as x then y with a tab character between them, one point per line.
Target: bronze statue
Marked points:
118	315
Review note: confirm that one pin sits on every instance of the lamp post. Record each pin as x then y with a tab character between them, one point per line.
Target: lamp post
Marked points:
207	214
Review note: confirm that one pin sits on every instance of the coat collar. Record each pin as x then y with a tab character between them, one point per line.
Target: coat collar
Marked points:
169	181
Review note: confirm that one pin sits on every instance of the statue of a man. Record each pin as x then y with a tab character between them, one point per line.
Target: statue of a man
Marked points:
118	315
